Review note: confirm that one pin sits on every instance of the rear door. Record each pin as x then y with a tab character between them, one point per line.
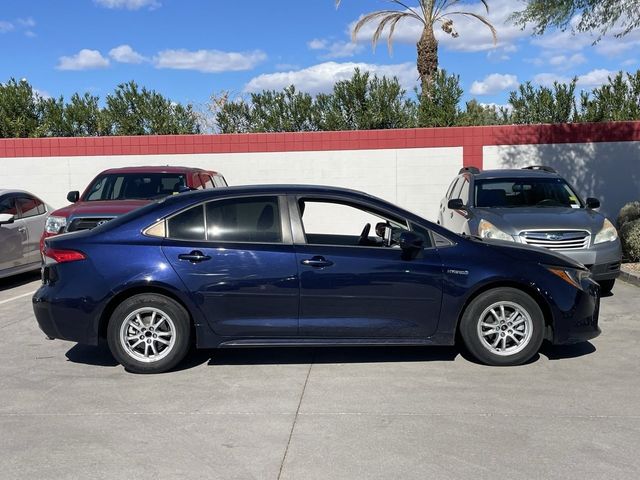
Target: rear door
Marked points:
236	258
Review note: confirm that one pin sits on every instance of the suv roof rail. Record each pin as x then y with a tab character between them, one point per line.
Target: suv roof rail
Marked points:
542	168
474	170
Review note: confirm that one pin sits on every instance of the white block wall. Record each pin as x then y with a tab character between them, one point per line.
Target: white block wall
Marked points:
415	179
609	171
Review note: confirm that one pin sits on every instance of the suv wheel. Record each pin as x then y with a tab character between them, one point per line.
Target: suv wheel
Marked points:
503	326
149	333
606	286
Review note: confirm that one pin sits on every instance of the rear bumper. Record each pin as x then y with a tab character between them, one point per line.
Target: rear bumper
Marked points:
580	323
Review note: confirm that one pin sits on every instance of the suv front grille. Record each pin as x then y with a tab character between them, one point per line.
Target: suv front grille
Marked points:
86	223
557	239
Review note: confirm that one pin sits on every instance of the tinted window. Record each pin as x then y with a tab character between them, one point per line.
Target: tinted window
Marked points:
255	219
188	225
206	179
525	192
29	206
453	188
8	206
219	181
464	192
134	186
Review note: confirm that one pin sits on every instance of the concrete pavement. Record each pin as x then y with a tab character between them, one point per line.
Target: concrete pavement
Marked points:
68	411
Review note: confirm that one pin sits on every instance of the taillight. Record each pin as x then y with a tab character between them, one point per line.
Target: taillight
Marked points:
63	256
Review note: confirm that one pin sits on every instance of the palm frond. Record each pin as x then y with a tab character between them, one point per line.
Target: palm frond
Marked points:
384	16
487	23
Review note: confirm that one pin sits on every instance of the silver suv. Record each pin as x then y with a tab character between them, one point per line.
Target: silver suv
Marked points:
533	206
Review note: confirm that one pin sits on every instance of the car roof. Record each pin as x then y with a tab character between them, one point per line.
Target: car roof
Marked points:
4	191
514	173
157	169
281	189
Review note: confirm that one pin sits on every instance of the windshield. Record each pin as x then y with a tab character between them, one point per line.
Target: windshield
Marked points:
134	186
525	192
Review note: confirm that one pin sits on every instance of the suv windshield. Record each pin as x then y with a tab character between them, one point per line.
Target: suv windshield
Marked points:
134	186
525	192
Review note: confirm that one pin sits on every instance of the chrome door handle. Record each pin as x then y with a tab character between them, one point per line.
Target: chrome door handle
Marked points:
194	257
317	262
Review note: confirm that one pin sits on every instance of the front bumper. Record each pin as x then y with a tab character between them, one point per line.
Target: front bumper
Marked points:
602	259
579	322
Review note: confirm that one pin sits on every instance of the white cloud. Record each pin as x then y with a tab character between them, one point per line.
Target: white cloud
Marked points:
208	61
594	78
565	62
321	78
494	83
629	62
126	54
128	4
6	27
474	36
337	49
26	22
85	59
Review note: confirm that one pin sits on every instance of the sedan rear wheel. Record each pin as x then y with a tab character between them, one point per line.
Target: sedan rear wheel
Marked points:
149	333
503	326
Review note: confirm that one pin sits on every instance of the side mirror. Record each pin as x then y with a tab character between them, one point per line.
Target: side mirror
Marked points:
6	218
593	203
74	196
411	244
455	204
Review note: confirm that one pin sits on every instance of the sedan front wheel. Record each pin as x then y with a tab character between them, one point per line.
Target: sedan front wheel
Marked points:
503	326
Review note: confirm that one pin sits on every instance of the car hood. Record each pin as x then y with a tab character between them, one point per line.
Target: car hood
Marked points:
107	208
526	253
515	220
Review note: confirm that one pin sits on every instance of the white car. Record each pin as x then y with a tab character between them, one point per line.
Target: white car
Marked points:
22	219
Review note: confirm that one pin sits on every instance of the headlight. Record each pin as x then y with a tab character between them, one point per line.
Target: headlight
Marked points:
608	233
489	230
55	225
572	276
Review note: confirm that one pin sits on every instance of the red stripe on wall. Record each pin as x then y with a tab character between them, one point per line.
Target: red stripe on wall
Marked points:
471	139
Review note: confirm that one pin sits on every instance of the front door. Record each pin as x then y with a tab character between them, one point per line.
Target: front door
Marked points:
355	283
13	237
237	261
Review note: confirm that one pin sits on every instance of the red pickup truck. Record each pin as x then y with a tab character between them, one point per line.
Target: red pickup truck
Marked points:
119	190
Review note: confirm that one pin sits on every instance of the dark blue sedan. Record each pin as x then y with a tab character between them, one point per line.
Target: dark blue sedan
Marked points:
303	265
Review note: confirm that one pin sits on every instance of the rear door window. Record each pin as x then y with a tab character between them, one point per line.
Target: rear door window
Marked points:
8	206
252	219
187	225
219	181
206	181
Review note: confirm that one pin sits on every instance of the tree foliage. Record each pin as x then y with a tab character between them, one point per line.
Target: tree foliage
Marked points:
129	110
601	16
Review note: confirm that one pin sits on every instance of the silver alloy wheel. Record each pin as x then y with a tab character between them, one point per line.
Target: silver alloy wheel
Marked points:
148	334
505	328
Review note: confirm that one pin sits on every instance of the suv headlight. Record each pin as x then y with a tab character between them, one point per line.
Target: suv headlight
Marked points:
55	224
489	230
572	276
608	233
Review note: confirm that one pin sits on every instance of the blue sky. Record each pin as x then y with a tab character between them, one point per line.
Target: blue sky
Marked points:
189	49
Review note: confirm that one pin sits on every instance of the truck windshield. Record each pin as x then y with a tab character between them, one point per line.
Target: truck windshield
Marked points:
525	192
134	186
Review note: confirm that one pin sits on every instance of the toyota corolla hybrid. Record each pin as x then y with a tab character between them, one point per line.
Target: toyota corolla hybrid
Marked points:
263	266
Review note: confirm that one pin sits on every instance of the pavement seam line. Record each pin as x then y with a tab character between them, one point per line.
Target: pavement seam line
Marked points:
295	419
2	302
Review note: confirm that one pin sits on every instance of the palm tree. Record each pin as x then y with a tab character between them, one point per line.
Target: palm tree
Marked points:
429	13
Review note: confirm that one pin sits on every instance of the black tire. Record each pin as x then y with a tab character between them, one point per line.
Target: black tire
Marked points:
178	323
606	286
476	311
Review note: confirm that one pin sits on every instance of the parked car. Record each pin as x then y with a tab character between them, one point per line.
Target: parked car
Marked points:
264	266
119	190
22	218
534	206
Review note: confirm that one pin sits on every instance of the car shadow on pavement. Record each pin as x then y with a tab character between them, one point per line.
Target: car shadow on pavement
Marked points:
91	355
560	352
19	280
